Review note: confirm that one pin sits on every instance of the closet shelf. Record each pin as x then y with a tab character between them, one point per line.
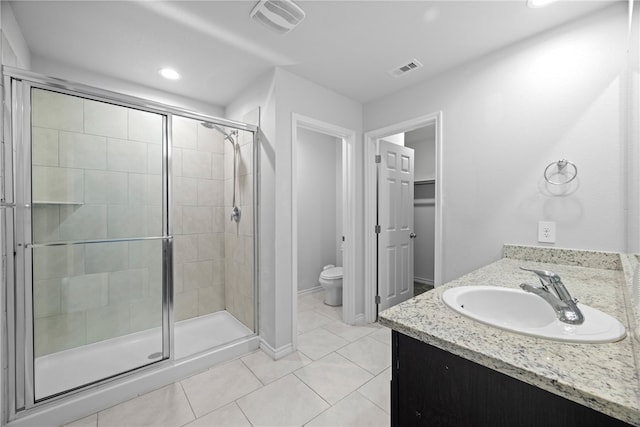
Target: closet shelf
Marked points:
424	181
424	202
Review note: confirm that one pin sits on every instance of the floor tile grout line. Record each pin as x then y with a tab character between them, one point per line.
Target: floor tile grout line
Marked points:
355	362
263	384
331	406
253	373
235	402
309	385
316	393
324	355
366	397
186	395
332	333
343	346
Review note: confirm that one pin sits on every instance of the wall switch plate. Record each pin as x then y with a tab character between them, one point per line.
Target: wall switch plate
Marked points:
546	231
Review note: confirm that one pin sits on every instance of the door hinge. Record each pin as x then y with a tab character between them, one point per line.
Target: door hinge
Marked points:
378	158
377	228
377	299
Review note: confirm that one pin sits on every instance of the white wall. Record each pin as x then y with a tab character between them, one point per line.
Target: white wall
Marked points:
397	139
301	96
633	148
339	245
15	52
3	284
281	95
506	117
317	167
423	142
52	68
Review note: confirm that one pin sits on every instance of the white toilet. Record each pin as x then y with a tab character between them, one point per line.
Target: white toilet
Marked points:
331	282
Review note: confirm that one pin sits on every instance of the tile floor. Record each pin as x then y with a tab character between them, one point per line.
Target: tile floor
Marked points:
338	377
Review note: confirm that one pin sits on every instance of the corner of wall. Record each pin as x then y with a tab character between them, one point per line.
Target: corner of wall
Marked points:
15	51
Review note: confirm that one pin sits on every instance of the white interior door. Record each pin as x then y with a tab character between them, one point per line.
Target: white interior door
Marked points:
395	220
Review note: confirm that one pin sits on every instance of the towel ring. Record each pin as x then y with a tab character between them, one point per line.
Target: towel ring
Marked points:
561	165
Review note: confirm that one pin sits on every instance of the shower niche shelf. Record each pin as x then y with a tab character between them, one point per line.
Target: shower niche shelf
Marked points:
56	202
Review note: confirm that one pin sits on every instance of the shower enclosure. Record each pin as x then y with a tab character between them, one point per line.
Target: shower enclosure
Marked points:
126	259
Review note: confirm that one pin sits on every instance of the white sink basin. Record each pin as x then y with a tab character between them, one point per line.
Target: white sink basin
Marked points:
525	313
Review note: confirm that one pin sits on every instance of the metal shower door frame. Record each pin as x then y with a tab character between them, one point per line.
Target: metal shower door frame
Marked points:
20	322
11	212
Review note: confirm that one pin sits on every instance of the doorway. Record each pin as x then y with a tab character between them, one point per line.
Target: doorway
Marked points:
422	140
344	141
423	201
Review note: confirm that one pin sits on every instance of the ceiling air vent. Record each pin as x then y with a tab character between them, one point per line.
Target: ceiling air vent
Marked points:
280	16
414	64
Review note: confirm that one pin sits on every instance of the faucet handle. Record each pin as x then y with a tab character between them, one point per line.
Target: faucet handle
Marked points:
543	274
546	277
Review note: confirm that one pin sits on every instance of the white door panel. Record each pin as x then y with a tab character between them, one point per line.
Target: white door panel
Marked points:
395	217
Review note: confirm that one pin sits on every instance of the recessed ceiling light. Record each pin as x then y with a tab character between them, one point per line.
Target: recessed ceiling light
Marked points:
535	4
170	74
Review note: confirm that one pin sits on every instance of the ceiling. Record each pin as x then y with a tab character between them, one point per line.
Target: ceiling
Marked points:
346	46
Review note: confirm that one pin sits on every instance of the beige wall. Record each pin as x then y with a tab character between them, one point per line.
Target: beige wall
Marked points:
198	219
239	289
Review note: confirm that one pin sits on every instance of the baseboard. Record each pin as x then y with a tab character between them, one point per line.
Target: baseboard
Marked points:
423	281
359	319
276	354
310	291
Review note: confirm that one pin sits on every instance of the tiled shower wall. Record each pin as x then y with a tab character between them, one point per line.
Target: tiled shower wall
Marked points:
97	174
213	256
239	237
198	219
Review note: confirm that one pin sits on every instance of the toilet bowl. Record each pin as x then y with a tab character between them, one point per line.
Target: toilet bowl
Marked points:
331	282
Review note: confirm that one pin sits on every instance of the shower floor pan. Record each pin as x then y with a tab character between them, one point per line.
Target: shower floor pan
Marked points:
69	369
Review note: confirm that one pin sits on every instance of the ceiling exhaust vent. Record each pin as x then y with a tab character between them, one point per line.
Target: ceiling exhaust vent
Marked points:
414	64
280	16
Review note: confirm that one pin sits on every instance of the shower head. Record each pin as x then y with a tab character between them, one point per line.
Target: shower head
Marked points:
227	136
235	212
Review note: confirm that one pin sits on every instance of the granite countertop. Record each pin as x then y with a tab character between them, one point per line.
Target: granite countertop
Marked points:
601	376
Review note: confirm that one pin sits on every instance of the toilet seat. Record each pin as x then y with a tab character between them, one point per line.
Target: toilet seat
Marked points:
331	273
331	281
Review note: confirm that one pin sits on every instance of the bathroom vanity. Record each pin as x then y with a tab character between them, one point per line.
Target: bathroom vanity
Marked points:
449	370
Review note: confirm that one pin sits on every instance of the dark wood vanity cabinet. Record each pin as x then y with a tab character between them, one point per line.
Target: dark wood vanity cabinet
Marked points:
434	388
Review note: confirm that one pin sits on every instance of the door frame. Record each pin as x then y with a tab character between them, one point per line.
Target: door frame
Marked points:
370	204
348	137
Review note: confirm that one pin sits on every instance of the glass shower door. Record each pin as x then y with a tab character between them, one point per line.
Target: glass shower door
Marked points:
95	239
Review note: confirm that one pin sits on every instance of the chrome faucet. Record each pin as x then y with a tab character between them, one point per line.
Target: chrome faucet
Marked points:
563	304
